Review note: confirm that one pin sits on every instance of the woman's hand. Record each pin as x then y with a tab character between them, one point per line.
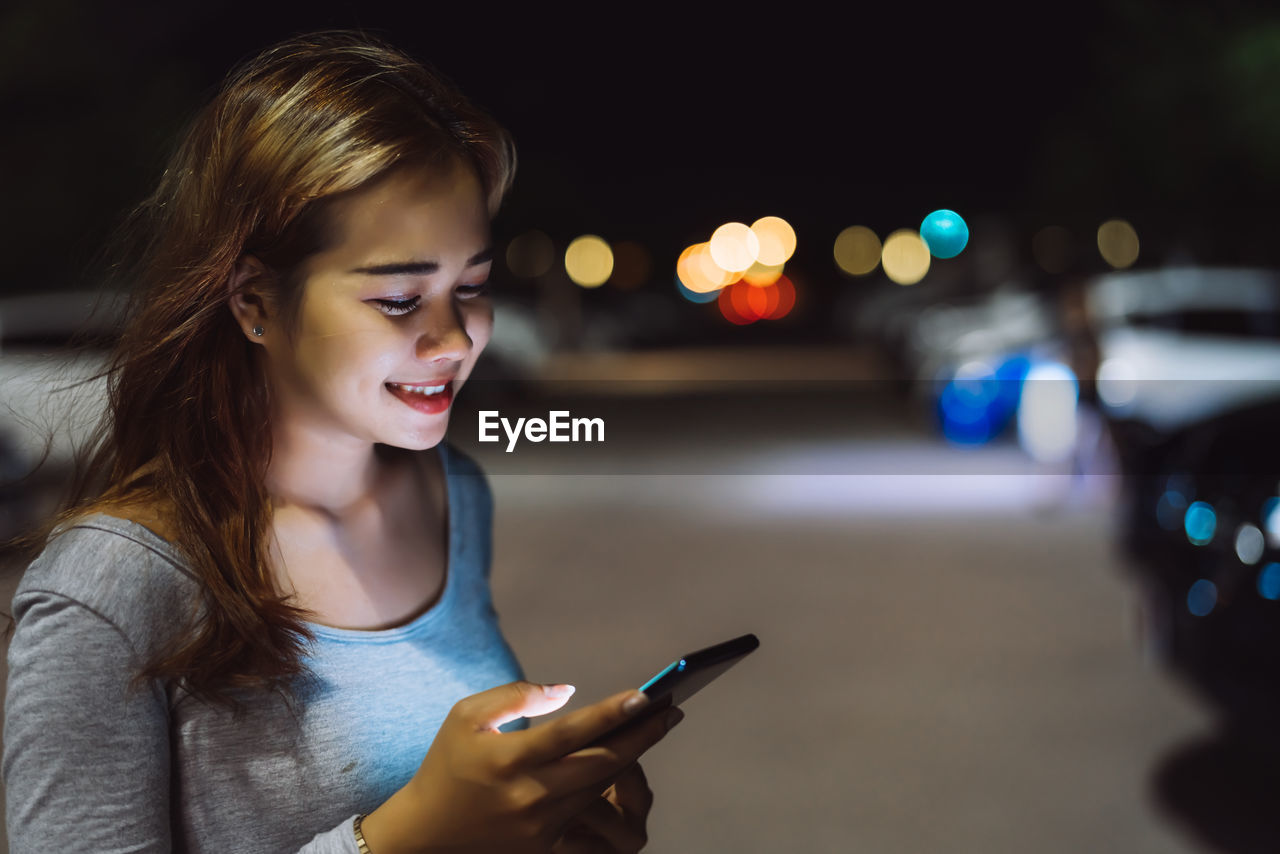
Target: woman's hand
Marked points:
615	822
479	790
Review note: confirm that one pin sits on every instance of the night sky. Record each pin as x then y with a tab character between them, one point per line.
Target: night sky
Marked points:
639	122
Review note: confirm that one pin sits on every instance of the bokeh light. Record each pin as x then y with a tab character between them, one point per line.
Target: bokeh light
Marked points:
696	296
857	250
1200	523
786	298
1117	383
1171	509
698	272
761	275
776	240
1047	413
1202	598
531	254
589	261
734	247
632	265
742	303
1054	249
751	301
1118	243
965	404
945	233
1271	521
905	257
733	309
978	402
1249	544
1269	582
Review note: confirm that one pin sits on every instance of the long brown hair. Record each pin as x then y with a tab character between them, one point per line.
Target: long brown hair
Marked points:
187	426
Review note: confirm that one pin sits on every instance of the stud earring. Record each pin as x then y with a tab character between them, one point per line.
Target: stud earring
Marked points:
259	331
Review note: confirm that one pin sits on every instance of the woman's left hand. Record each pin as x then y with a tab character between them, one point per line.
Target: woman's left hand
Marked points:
615	822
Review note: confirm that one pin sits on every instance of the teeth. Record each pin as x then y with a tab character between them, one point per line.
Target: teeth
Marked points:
420	389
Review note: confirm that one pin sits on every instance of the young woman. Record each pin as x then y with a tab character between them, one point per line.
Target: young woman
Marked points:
263	623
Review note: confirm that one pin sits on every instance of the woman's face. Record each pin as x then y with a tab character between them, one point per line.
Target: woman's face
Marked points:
392	318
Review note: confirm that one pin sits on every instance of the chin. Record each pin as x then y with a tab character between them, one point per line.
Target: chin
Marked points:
418	440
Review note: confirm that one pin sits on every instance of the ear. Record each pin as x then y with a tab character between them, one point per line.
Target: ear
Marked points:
249	300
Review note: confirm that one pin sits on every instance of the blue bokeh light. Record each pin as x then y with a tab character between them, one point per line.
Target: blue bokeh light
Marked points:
977	403
1200	523
1202	597
1171	509
1269	582
1271	520
694	296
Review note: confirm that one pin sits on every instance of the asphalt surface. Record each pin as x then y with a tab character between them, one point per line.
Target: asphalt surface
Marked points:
950	655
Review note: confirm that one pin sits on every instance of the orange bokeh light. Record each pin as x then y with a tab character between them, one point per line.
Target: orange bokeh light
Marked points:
699	273
776	238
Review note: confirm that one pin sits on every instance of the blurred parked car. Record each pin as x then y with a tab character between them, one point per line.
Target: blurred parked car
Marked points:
1189	378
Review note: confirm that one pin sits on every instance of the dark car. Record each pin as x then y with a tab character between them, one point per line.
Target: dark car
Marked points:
1194	415
1203	533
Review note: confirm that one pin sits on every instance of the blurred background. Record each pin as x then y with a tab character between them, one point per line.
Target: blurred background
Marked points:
938	345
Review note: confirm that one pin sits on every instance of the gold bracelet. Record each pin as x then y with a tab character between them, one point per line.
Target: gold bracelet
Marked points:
360	843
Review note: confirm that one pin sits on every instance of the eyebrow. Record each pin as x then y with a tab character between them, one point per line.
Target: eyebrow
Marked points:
420	268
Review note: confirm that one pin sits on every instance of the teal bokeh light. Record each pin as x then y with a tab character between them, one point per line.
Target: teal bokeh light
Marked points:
694	296
945	233
1200	523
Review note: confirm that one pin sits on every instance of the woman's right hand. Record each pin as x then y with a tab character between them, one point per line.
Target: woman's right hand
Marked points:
479	790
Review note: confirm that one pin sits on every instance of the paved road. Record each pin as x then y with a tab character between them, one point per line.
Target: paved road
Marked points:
948	663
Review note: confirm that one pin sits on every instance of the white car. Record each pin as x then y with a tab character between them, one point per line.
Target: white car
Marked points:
1182	345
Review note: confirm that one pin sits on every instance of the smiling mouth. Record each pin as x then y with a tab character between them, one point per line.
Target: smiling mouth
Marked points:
418	389
427	399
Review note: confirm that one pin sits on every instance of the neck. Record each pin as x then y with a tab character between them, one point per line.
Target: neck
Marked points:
317	473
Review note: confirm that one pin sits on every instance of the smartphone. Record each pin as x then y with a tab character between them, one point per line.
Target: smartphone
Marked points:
688	675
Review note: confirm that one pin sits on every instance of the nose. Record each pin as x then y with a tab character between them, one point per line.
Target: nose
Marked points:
443	337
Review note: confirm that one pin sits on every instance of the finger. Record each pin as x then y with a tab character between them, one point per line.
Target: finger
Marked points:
628	744
622	833
549	742
592	769
630	793
491	709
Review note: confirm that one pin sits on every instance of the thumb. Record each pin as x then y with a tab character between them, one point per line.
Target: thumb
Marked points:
490	709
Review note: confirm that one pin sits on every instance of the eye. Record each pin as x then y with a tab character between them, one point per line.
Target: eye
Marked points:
472	291
395	307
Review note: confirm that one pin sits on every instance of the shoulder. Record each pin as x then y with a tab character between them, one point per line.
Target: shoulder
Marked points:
116	569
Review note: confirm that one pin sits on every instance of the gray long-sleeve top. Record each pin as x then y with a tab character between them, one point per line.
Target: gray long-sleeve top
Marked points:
89	767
